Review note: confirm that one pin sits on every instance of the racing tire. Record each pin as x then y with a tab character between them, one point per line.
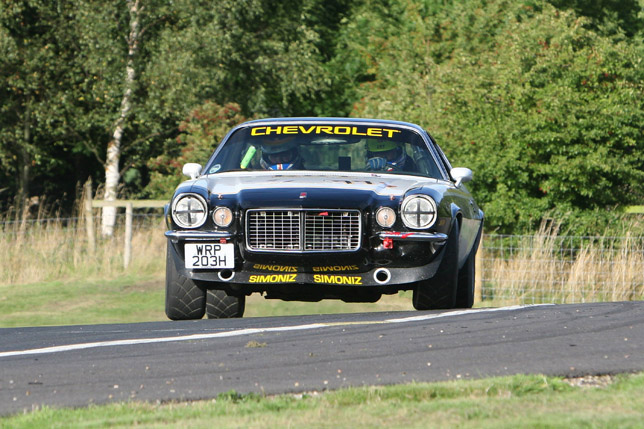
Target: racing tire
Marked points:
220	305
465	290
439	292
184	300
466	278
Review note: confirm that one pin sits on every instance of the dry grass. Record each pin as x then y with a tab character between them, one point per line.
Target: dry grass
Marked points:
553	268
545	267
47	248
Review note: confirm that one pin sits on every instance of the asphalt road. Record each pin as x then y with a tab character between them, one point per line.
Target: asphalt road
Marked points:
81	365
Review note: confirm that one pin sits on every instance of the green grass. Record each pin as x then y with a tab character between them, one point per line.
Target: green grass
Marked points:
504	402
131	299
123	300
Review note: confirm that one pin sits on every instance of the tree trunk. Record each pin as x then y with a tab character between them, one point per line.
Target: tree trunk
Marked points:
25	160
112	173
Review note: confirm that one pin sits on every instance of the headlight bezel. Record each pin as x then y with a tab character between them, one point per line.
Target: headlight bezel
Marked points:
176	217
413	217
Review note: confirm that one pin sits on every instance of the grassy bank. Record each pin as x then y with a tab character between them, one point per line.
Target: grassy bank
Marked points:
132	299
505	402
52	276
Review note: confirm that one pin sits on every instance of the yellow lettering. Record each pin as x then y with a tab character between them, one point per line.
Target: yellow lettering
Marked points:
323	129
305	131
281	268
338	280
273	278
276	130
390	133
336	268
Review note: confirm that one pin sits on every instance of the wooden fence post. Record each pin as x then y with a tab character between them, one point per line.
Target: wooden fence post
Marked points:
89	218
127	251
129	205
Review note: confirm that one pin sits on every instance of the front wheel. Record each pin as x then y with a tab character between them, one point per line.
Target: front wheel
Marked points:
220	305
439	292
184	300
466	277
465	292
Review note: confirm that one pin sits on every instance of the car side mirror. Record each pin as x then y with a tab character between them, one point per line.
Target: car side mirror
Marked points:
192	170
461	175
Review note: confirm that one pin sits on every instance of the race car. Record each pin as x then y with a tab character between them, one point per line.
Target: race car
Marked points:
321	208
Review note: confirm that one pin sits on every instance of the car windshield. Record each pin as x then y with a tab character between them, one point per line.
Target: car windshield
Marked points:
324	147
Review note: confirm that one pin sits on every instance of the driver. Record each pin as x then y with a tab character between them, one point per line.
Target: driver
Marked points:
385	155
280	153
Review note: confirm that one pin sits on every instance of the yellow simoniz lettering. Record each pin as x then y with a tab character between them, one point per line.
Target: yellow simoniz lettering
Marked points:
258	131
272	278
390	132
374	132
289	129
338	280
280	268
276	130
307	130
324	129
354	131
335	268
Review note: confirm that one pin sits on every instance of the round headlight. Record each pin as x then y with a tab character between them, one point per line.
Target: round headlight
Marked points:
189	211
385	217
418	212
222	216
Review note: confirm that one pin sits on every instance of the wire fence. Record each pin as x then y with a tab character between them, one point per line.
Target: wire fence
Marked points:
29	227
547	268
512	269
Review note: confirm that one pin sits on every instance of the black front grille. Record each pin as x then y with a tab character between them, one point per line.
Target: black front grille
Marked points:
303	230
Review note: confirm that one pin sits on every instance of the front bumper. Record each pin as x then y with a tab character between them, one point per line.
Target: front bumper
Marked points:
258	272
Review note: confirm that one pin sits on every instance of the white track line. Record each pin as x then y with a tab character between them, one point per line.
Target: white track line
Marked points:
242	332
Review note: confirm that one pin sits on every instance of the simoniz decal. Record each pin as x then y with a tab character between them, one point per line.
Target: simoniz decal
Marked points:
337	280
324	129
335	268
273	278
278	268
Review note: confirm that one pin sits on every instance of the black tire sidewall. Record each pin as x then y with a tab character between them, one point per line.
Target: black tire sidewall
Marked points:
184	300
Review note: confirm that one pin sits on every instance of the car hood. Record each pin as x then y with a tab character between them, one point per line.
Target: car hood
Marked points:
267	189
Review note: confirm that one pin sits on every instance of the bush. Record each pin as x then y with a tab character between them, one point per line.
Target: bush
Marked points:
548	114
201	132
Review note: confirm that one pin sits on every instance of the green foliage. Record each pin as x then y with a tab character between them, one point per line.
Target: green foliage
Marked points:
542	99
201	131
548	114
36	91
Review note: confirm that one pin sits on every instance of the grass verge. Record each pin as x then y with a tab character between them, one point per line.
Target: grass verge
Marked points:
125	299
133	299
504	402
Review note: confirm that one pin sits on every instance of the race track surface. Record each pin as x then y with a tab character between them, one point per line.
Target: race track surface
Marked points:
161	361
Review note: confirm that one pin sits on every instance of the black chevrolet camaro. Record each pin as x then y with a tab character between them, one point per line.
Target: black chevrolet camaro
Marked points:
321	208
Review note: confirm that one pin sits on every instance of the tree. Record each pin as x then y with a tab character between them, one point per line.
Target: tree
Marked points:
38	94
112	173
201	132
547	112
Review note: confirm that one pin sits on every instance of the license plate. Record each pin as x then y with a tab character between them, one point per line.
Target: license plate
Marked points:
210	255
